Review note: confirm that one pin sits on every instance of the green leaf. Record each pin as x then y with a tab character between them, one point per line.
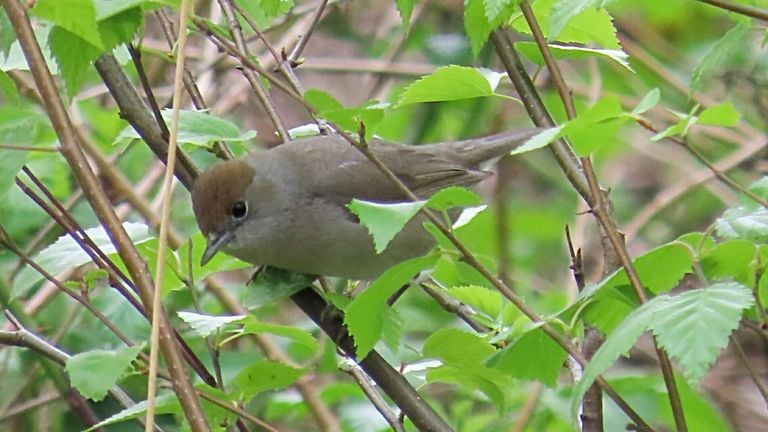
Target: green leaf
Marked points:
109	8
391	329
730	45
659	269
351	119
606	108
15	59
615	345
744	222
322	101
494	8
272	285
612	299
463	355
494	384
760	188
593	119
542	139
678	129
453	196
481	299
196	128
534	356
217	415
662	268
21	126
206	325
76	16
458	348
732	259
720	115
363	315
7	35
476	24
264	12
120	27
265	375
589	140
165	403
96	278
150	252
694	326
448	83
564	11
468	215
74	55
384	221
589	27
405	7
649	101
66	253
348	118
302	337
11	162
561	52
8	87
610	307
93	373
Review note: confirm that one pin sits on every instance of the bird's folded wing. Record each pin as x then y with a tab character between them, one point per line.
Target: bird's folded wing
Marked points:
423	172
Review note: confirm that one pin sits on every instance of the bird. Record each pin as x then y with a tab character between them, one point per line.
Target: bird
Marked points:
286	207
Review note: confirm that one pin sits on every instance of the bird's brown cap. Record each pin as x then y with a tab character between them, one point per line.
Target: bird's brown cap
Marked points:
216	191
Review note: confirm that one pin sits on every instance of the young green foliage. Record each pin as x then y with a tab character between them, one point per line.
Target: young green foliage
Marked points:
94	372
693	327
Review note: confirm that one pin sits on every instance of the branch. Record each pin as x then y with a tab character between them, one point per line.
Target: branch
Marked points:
136	112
75	157
363	381
583	180
742	9
250	75
391	382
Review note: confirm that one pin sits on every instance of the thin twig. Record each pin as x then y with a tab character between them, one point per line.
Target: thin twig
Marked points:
720	175
31	404
237	410
473	261
246	61
250	75
739	8
325	418
293	57
136	58
391	381
363	381
456	307
529	408
157	304
78	235
135	111
22	337
756	378
76	159
29	148
221	149
5	241
284	66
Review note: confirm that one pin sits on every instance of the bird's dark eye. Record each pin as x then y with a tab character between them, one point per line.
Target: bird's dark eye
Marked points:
239	210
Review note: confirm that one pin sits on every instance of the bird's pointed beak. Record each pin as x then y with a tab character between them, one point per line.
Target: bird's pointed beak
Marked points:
215	243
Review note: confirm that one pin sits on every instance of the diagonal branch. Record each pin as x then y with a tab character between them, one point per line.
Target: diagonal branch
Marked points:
75	157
